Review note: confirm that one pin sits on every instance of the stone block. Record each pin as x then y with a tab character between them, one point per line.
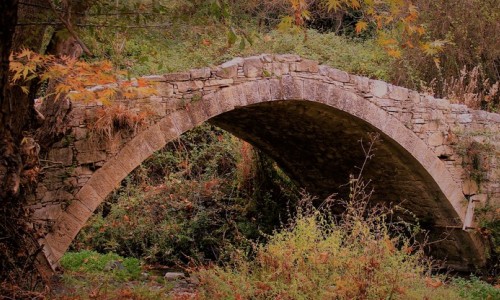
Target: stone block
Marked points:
80	133
361	83
78	210
287	58
183	76
197	112
307	65
250	89
202	73
268	58
444	151
414	97
378	88
464	118
264	90
398	93
383	102
309	90
469	187
164	89
481	198
278	69
185	86
211	105
219	82
229	69
292	88
436	139
62	155
90	157
154	78
252	67
275	85
181	120
338	75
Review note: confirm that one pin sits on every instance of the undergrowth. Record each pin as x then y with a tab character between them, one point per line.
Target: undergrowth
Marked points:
92	262
194	201
190	46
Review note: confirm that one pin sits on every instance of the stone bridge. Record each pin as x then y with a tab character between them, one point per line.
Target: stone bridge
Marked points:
436	159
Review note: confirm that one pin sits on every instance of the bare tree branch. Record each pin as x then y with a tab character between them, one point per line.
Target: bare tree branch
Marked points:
67	23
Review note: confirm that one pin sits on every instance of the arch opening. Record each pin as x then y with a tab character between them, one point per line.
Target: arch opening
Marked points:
319	147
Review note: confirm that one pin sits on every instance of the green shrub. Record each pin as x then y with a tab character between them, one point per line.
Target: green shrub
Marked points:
93	262
195	200
476	289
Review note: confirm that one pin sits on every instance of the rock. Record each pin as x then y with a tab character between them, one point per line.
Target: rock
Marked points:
114	265
338	75
230	69
194	280
464	118
177	76
252	67
469	187
307	65
62	155
378	88
200	73
173	276
436	139
481	198
398	93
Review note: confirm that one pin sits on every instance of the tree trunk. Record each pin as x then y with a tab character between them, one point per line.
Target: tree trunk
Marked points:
18	154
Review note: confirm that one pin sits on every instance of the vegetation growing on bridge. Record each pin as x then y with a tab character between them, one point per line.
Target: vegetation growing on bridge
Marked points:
144	37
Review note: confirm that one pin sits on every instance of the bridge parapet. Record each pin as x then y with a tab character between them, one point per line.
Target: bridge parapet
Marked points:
465	141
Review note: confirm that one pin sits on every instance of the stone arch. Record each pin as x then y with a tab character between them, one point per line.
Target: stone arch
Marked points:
252	94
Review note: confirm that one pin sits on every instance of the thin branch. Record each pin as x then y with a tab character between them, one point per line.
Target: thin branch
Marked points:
35	5
94	25
68	26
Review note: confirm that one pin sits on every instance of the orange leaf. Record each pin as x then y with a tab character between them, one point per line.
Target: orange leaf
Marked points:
435	283
360	26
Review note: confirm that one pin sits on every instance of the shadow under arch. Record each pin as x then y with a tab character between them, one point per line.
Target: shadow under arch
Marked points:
313	135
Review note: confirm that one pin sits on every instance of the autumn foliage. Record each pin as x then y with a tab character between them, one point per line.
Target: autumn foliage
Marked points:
76	79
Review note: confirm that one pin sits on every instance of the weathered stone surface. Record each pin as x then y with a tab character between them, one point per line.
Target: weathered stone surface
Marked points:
307	65
230	68
398	93
177	76
62	155
252	67
464	118
469	187
154	78
338	75
219	82
164	89
287	58
378	88
91	157
173	276
436	139
202	73
193	85
311	118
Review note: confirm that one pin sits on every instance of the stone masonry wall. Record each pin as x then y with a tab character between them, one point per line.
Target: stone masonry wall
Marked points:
466	140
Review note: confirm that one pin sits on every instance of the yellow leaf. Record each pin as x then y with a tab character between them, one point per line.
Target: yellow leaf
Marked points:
333	5
394	53
360	26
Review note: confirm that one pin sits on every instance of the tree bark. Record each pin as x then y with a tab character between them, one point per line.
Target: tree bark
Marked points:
18	154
